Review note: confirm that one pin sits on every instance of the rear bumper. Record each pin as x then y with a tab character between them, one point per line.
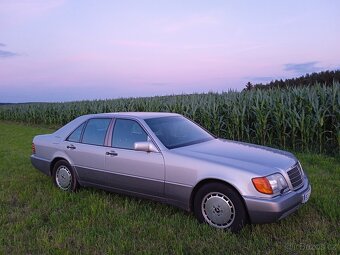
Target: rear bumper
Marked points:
42	165
270	210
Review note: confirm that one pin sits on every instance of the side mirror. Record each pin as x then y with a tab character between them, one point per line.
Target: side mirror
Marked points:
145	146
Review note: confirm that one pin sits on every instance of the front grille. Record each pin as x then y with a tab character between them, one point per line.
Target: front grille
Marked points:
295	176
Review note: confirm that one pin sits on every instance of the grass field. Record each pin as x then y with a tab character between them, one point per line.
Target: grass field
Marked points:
37	218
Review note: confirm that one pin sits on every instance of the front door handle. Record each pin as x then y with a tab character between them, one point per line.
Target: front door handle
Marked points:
111	153
71	147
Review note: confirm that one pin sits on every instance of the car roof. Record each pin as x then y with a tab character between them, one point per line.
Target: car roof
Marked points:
139	115
69	127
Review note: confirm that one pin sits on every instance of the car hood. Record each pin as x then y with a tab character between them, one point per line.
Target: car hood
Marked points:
257	159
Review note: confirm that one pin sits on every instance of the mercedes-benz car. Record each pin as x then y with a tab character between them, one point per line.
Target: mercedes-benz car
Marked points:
169	158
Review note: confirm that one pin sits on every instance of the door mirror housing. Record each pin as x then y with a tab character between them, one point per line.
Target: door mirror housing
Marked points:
145	146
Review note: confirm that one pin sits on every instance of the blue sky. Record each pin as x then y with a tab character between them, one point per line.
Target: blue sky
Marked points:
62	50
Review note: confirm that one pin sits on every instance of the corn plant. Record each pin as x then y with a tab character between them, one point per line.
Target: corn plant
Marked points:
300	118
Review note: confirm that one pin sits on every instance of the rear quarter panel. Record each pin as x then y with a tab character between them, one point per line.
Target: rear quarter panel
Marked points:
49	147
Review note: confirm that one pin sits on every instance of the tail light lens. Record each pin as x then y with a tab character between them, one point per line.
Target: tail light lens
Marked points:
33	148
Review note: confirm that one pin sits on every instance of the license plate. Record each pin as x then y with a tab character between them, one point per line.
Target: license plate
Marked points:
306	196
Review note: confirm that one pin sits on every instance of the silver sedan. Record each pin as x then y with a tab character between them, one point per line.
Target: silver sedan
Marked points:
167	157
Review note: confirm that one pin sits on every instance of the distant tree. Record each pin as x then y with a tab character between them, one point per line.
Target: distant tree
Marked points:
249	86
325	77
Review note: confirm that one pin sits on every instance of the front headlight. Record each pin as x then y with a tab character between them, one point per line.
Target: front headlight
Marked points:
277	182
272	184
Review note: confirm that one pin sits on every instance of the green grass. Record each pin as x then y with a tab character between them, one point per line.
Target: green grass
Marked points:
37	218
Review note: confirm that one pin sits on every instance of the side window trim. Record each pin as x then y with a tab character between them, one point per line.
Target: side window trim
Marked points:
108	135
81	134
105	137
113	129
150	138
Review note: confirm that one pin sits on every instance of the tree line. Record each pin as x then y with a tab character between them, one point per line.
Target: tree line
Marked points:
324	78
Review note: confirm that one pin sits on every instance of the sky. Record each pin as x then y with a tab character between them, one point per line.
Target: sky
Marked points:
64	50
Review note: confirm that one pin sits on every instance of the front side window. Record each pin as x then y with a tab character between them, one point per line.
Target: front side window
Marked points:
126	133
177	131
95	131
76	134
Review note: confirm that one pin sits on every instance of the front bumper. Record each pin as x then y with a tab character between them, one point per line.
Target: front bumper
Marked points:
262	210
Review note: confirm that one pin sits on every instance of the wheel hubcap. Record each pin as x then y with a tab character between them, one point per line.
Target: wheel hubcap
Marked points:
218	210
63	178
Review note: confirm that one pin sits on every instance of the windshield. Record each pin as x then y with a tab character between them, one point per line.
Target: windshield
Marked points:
177	131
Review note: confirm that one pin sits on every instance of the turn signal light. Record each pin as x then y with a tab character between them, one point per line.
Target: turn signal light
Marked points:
33	148
262	185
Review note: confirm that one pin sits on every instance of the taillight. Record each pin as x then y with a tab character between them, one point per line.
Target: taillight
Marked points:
33	148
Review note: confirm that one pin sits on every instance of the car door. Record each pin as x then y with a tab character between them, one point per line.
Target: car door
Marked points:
86	148
135	171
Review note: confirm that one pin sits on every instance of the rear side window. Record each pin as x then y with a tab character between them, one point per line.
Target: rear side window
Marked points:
95	131
126	133
76	134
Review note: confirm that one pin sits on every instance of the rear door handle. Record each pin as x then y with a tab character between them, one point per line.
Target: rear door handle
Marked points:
111	153
71	147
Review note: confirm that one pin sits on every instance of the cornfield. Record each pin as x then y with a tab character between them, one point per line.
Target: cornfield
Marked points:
303	118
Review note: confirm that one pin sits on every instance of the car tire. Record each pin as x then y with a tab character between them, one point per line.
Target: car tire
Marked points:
220	206
64	176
